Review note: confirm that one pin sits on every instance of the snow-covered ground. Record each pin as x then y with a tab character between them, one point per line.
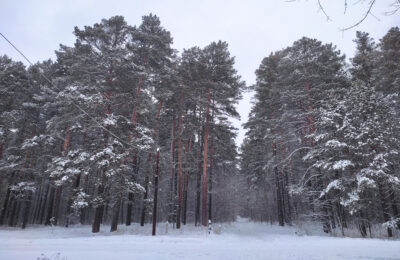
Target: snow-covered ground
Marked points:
239	240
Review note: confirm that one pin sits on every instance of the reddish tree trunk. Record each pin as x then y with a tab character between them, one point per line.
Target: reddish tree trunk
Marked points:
185	194
210	182
198	182
156	177
172	171
211	170
67	141
180	175
205	157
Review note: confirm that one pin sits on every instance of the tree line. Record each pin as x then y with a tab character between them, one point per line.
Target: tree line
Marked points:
119	128
322	139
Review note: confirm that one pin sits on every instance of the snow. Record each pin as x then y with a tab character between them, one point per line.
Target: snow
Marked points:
353	198
335	184
342	164
335	143
24	186
365	181
81	201
29	105
14	130
111	120
239	240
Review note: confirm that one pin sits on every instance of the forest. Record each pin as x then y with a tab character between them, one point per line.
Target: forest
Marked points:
121	128
322	137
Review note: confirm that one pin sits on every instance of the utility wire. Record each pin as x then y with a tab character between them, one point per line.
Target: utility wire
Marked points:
73	102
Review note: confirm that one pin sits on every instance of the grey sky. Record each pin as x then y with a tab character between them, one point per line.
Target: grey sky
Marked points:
253	29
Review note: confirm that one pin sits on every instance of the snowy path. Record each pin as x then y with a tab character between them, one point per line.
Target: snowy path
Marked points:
237	241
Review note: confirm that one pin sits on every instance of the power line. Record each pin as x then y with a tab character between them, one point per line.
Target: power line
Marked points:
73	102
17	49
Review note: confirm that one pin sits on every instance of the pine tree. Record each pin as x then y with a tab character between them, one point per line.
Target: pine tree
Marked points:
363	60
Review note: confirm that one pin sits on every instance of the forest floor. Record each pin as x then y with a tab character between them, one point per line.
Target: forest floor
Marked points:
238	240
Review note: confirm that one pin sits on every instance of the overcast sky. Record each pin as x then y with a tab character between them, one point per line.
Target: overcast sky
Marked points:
253	29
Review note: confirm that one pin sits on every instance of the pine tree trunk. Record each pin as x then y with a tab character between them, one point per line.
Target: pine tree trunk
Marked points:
115	216
116	210
50	206
43	205
130	194
185	197
144	203
385	208
84	213
129	209
5	204
332	215
98	214
26	211
210	185
288	210
325	219
362	227
285	187
324	205
175	194
342	215
185	192
121	220
205	159
155	199
394	207
13	211
15	215
279	198
278	189
99	210
155	194
180	175
37	204
172	173
146	192
8	199
69	203
57	200
198	182
210	188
